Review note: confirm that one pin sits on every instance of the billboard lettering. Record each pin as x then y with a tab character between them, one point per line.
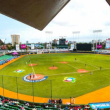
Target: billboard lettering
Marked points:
23	46
99	46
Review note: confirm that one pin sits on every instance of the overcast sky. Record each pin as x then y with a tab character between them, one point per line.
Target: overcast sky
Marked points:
83	16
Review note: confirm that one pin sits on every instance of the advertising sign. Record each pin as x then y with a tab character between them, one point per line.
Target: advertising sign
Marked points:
66	42
72	47
37	45
32	46
23	46
107	43
3	47
17	47
100	105
104	51
48	45
29	45
57	42
99	46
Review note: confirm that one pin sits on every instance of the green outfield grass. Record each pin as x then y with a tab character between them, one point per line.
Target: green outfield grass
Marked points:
85	82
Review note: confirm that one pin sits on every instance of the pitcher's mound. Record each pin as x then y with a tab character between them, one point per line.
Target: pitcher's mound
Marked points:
64	62
82	71
32	64
53	68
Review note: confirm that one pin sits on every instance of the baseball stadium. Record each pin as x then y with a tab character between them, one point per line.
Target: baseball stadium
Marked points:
52	79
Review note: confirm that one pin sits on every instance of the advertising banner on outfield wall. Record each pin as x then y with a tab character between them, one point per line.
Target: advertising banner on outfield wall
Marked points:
100	105
17	46
32	46
104	51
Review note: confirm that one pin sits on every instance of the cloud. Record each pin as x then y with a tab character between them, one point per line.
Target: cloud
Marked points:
78	15
107	23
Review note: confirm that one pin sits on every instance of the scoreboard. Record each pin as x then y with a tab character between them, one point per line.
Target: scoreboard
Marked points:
85	47
62	41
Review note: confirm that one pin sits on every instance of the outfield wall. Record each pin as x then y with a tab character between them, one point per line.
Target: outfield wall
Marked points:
41	51
104	51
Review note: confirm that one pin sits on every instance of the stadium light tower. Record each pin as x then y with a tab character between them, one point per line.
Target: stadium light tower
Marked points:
77	34
96	34
50	34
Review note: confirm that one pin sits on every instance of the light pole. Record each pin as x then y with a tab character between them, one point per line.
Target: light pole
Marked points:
96	32
50	33
4	41
77	34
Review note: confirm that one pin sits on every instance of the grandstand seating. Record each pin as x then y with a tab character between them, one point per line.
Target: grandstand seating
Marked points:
6	58
10	104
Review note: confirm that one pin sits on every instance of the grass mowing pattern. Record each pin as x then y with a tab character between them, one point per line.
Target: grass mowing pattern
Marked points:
85	82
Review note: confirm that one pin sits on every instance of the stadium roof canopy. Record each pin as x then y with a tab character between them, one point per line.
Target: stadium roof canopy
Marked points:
36	13
108	1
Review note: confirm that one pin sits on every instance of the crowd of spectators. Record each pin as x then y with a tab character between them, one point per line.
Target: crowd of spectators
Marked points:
3	61
10	104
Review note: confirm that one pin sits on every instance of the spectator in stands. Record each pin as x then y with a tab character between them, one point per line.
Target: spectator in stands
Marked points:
60	101
46	106
3	102
55	106
49	101
34	109
43	105
55	101
22	108
66	108
27	104
0	99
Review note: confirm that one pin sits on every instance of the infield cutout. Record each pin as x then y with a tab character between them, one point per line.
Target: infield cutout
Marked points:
82	71
34	78
53	68
64	62
32	64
